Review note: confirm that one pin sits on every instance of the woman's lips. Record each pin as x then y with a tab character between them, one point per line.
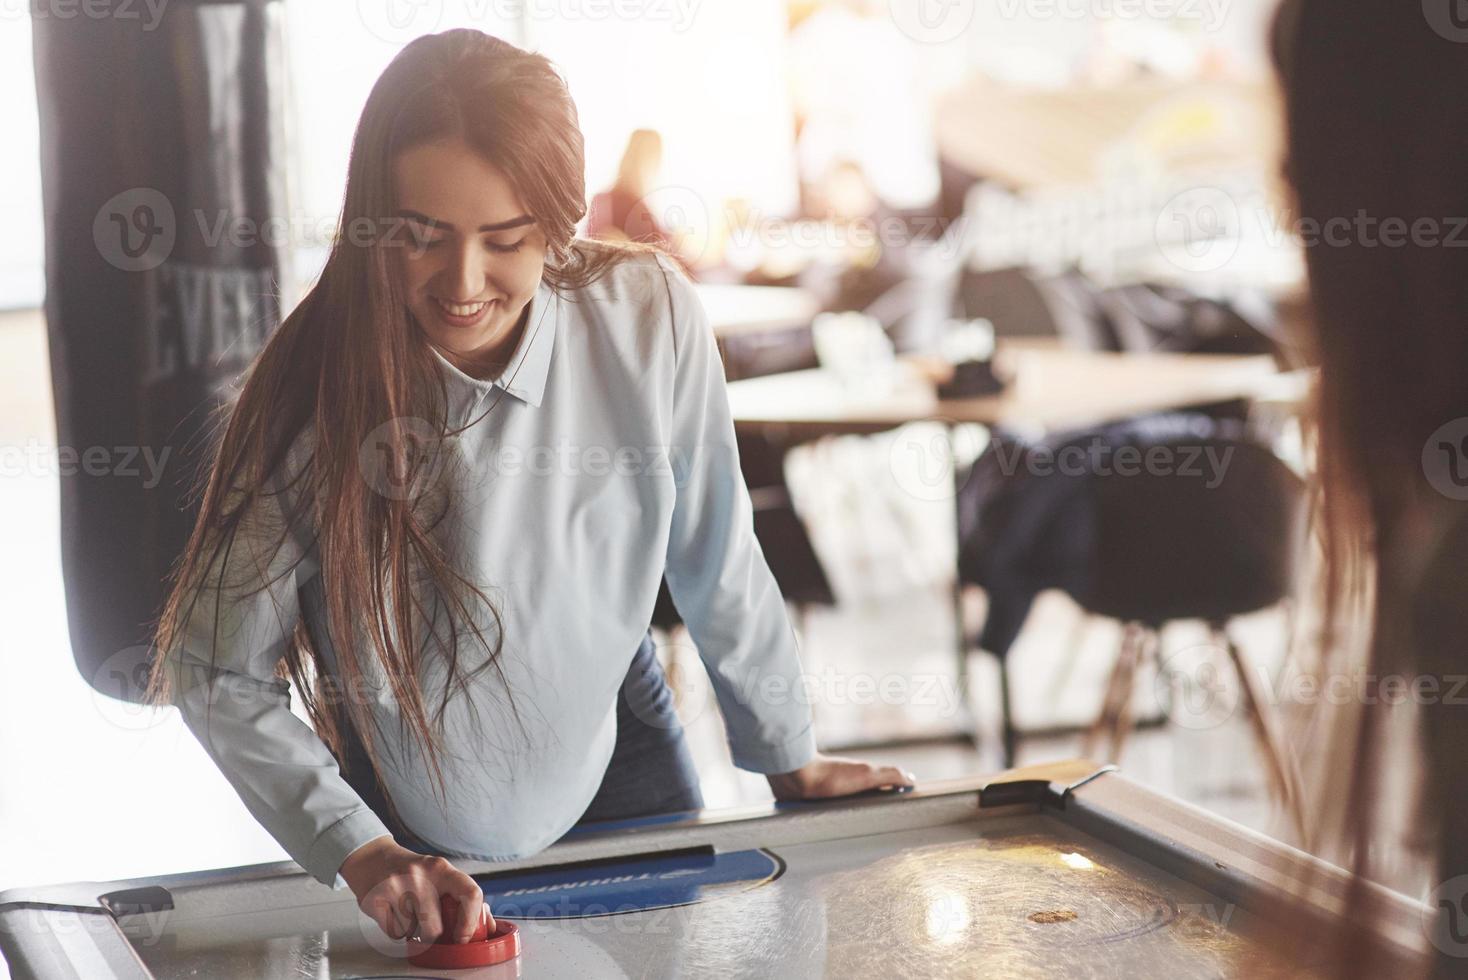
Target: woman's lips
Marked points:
462	314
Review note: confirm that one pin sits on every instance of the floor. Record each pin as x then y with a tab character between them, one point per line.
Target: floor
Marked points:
95	789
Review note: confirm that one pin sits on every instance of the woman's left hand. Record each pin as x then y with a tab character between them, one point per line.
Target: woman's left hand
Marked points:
826	776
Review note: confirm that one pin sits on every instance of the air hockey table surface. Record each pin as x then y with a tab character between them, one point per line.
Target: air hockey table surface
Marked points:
1064	870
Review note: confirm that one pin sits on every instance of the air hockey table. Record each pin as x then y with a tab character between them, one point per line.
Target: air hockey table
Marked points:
1064	870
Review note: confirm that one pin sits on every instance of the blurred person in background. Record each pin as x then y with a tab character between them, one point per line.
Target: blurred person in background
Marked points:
621	212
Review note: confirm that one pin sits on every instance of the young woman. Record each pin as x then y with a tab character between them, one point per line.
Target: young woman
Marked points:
1378	158
442	508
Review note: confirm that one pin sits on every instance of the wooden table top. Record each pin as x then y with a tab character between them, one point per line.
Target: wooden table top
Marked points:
1050	389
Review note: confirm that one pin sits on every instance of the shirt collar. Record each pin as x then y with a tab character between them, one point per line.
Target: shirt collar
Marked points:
525	376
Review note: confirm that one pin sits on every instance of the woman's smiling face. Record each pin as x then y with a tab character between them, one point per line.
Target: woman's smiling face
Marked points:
472	257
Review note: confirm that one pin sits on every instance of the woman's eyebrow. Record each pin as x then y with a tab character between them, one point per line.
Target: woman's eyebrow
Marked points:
523	219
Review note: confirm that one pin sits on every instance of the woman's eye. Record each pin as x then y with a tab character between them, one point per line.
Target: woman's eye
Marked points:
494	247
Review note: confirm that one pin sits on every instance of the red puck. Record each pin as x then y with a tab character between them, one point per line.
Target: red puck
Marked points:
483	948
501	947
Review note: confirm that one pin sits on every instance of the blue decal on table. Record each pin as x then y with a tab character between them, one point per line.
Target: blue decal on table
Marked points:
637	884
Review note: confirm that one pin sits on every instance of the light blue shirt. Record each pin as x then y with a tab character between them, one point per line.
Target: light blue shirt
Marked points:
603	458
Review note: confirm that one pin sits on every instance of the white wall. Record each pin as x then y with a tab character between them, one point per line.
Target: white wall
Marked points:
22	247
709	78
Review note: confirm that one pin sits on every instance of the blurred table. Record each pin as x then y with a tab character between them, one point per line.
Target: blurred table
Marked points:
1050	389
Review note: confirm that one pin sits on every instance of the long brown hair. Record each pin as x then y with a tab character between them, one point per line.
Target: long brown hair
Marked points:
349	364
1378	126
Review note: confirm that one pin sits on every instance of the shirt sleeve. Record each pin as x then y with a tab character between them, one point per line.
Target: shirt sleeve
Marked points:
222	673
716	572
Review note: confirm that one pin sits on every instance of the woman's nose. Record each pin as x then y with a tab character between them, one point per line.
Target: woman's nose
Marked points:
463	280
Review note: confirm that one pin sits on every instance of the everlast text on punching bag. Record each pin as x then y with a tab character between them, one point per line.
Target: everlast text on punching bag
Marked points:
162	168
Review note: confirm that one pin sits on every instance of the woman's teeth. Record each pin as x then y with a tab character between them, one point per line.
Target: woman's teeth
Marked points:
461	309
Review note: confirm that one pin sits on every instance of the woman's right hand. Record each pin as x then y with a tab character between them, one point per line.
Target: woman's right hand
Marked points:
400	890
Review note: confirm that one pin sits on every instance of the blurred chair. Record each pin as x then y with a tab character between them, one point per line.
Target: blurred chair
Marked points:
1014	302
1145	549
755	354
1147	317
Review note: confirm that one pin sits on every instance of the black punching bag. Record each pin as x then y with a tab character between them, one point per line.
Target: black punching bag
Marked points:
163	180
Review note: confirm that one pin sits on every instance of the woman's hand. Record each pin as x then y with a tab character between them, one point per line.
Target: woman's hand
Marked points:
826	776
400	890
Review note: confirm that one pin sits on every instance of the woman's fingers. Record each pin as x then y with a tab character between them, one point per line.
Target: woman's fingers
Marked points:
489	922
856	777
827	776
383	908
380	912
404	893
861	777
471	910
408	915
431	925
890	777
445	882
